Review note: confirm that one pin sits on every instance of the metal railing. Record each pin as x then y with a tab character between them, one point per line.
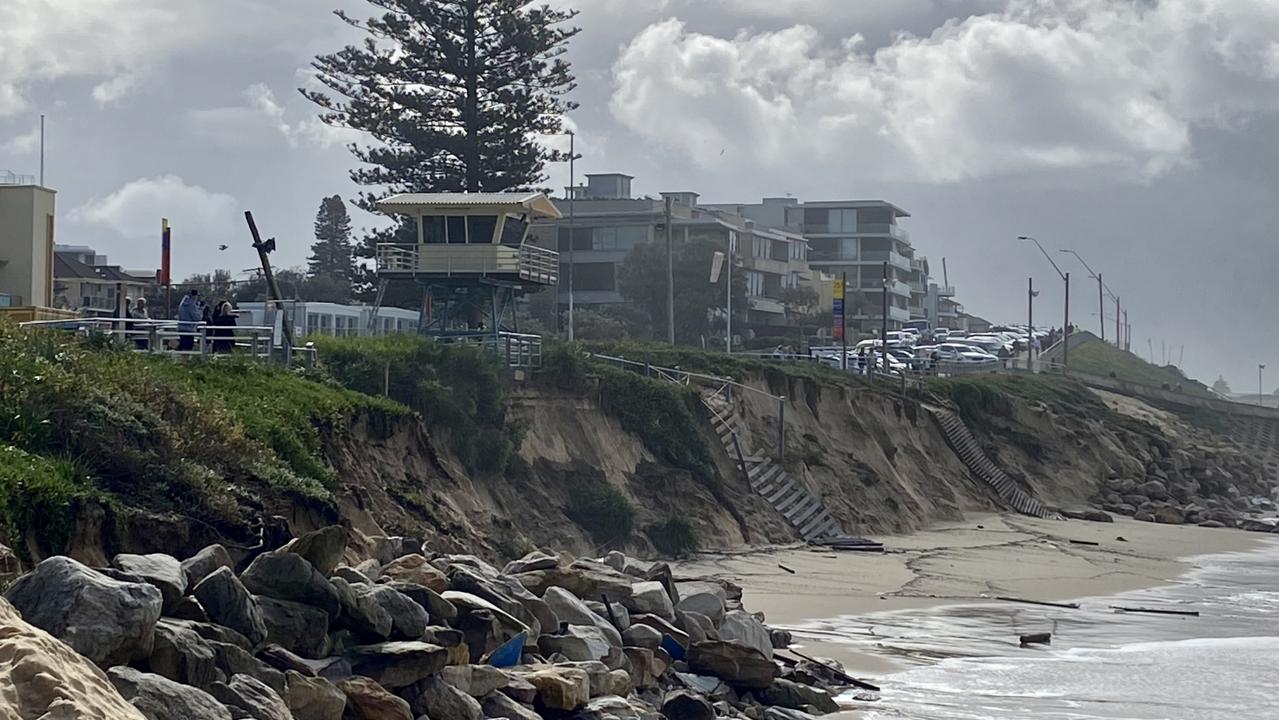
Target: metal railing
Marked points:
516	350
528	262
181	339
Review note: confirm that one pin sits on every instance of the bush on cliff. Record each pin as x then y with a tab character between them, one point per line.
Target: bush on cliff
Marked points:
148	432
603	511
459	390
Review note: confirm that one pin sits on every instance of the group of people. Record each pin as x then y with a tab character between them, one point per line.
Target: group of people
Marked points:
218	321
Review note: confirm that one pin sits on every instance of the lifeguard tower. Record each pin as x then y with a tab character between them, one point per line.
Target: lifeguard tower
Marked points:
472	260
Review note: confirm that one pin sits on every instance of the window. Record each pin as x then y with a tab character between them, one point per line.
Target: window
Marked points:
433	230
778	250
581	239
760	249
843	220
312	323
816	219
481	229
593	276
513	230
754	283
456	225
623	237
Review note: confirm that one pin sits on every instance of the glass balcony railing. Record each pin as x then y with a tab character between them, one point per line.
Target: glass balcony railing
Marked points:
890	229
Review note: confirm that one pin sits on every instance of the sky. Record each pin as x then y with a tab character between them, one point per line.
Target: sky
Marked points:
1139	133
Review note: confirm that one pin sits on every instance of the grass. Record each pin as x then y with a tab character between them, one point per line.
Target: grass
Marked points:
460	391
83	419
981	398
1098	358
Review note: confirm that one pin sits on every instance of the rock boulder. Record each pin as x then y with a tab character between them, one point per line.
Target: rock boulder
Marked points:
162	571
159	698
107	621
229	604
288	576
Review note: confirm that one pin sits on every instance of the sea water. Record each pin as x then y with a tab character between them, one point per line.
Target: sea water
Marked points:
965	663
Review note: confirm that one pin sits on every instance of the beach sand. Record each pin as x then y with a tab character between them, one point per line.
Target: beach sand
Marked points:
971	561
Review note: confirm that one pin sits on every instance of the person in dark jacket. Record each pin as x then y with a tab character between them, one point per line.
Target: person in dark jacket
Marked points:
223	320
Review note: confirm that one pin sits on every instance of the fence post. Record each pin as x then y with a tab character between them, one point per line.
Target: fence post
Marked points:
153	338
781	428
253	340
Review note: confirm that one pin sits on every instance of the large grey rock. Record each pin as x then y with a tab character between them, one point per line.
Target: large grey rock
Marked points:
408	619
684	705
704	602
642	636
536	560
162	571
742	628
569	609
650	597
107	621
579	643
288	576
436	606
360	610
228	603
466	580
432	697
212	631
313	698
583	578
322	548
299	628
397	664
181	655
733	663
465	602
793	695
616	614
698	626
159	698
252	697
202	564
233	660
500	705
475	680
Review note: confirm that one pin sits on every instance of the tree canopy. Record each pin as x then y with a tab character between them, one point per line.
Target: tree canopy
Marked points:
699	304
331	255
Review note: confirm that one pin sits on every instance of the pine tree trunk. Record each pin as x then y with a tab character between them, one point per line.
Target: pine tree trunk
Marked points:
472	113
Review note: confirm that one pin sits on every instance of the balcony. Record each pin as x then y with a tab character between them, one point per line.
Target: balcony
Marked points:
891	230
946	290
898	314
893	258
917	287
528	262
759	303
897	287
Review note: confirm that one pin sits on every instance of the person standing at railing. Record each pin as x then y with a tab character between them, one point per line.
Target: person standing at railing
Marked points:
188	317
223	320
140	313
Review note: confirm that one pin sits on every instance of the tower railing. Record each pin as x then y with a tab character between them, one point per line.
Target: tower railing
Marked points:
527	262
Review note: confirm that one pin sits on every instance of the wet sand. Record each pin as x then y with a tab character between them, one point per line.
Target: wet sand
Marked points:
972	561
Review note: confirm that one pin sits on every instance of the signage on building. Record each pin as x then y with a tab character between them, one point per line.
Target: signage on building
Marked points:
837	309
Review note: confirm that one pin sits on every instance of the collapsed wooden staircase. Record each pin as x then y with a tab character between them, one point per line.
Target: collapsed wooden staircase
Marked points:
966	447
803	510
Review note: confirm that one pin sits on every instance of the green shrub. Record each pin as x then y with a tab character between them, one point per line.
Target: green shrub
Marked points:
38	496
564	364
459	390
674	537
603	511
664	415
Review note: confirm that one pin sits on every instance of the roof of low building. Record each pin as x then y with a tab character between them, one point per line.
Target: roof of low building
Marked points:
535	203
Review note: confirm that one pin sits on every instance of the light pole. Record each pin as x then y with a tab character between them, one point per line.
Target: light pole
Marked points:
1065	278
1101	311
572	217
1030	324
1260	367
883	333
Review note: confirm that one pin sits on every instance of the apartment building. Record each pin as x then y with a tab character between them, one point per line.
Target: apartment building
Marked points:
26	241
604	222
853	239
85	281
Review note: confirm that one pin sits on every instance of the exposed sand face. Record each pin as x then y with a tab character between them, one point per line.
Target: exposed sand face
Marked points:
1009	555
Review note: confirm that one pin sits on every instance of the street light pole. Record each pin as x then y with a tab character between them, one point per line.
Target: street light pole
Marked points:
572	217
1260	367
883	333
1030	324
1065	277
1101	286
670	274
